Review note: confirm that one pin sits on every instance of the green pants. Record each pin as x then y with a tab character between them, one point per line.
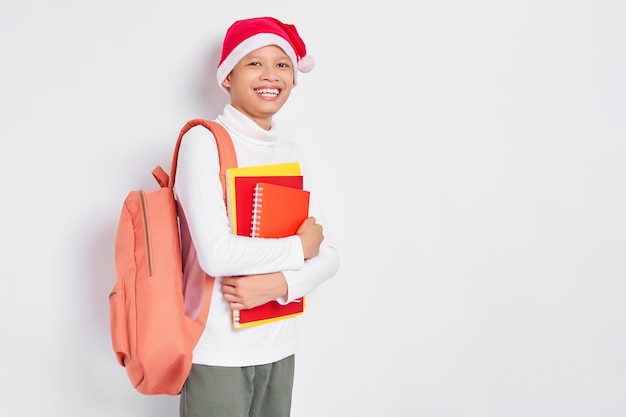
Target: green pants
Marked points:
251	391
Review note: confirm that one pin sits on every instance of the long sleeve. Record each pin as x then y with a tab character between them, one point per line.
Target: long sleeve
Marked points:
199	192
325	265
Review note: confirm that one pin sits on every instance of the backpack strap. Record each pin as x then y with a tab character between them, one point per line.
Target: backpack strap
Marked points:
227	159
225	149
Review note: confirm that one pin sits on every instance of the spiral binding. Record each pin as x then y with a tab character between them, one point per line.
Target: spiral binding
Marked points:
256	210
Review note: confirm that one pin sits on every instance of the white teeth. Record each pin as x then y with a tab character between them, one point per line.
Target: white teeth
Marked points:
267	92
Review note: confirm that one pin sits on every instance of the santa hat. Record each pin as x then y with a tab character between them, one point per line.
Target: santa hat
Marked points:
245	36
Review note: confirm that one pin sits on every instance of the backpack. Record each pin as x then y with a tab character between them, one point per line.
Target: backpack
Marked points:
161	298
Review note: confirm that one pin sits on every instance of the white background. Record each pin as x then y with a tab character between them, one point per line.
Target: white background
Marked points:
472	157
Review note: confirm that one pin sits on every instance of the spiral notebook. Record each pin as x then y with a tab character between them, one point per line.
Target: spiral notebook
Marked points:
277	211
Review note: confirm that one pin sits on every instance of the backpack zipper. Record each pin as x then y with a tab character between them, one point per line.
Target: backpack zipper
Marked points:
145	225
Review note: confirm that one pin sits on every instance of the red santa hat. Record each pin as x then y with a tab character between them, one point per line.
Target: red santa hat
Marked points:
245	36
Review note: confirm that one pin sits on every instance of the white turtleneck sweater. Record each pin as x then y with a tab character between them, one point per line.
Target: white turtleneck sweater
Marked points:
221	253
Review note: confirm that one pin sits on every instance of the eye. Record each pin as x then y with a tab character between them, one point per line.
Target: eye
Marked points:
254	64
284	65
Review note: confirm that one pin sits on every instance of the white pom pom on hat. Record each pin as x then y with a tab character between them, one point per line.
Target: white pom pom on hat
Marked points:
306	64
245	36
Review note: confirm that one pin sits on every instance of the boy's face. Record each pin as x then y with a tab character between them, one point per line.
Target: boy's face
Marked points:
260	84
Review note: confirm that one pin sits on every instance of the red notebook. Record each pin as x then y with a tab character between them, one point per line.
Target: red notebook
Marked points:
244	194
277	211
262	171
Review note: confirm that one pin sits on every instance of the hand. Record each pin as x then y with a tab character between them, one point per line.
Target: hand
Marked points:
311	235
248	291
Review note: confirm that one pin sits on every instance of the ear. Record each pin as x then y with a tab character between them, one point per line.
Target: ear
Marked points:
226	83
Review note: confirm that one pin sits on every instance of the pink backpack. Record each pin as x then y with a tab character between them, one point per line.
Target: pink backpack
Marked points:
161	299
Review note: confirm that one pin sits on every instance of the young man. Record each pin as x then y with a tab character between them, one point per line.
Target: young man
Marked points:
249	372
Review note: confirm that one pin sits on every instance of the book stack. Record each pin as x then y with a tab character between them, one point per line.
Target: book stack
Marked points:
266	201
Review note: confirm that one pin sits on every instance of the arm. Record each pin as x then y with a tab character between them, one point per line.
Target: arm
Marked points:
289	284
318	269
199	192
250	291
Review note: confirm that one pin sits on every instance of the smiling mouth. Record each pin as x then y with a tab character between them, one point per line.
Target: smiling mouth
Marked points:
267	92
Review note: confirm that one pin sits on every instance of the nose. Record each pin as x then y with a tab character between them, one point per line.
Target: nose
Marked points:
269	73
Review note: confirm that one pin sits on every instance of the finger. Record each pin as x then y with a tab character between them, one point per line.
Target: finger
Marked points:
232	299
228	281
229	289
236	306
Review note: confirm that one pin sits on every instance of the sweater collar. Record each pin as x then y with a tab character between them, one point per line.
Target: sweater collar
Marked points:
244	127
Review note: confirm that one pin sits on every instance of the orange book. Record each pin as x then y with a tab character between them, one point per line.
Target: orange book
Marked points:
277	211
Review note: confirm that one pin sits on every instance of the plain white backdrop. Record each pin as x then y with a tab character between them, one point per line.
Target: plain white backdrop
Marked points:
472	155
